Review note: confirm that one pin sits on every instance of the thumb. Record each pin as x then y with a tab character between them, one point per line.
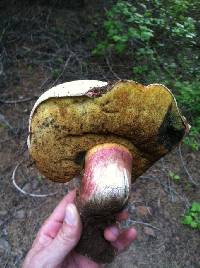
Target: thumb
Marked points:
68	236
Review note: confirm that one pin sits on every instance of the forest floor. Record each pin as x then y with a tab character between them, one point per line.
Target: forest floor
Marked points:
41	47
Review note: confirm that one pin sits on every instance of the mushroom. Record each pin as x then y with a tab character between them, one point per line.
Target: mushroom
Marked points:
110	133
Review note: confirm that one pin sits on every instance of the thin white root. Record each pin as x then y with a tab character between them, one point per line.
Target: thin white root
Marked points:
21	190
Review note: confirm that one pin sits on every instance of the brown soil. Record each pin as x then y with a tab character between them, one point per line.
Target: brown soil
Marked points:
43	46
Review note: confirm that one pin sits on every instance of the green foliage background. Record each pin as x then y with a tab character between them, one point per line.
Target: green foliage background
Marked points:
161	41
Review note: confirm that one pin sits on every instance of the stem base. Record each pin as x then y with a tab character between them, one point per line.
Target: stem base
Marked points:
92	243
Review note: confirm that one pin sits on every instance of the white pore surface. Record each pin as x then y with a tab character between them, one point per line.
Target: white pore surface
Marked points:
68	89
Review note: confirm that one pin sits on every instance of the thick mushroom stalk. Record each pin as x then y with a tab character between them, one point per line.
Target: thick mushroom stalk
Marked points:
104	192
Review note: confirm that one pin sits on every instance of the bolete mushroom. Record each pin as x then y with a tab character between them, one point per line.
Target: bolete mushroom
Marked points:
110	133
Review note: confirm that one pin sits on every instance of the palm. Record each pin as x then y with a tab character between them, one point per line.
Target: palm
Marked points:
45	248
75	260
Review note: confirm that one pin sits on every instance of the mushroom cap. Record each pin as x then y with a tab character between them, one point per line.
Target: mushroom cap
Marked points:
71	118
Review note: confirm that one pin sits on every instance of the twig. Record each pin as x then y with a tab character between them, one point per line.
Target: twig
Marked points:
44	82
168	188
18	101
163	166
185	168
65	66
171	192
111	70
21	190
144	223
149	178
6	123
6	140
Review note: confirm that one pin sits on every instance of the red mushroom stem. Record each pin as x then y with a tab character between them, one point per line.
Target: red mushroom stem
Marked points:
104	192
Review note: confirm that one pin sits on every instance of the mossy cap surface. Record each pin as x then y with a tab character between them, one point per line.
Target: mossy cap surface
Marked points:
71	118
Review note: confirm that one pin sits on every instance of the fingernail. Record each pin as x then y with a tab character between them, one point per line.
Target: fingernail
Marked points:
115	231
71	215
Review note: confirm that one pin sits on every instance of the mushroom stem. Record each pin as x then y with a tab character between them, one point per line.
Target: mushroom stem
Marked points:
106	180
104	192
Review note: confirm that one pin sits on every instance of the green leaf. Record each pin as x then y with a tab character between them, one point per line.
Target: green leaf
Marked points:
195	207
116	38
120	47
187	220
194	225
177	177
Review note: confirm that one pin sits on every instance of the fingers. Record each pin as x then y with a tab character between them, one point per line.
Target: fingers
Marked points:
52	225
111	233
58	235
125	239
68	235
120	239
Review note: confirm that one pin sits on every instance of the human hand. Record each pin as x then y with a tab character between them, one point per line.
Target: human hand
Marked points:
55	241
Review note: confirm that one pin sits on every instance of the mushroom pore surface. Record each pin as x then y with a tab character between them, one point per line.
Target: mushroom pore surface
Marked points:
144	119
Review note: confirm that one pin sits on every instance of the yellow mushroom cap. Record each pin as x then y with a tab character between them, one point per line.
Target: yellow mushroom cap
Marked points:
71	118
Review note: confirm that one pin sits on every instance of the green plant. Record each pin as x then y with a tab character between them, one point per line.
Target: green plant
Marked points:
138	24
192	216
188	95
158	37
192	140
40	178
174	177
160	42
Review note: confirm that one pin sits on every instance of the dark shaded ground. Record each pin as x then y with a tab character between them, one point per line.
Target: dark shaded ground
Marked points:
41	47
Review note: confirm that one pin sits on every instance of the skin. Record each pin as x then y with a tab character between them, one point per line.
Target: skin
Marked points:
56	239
